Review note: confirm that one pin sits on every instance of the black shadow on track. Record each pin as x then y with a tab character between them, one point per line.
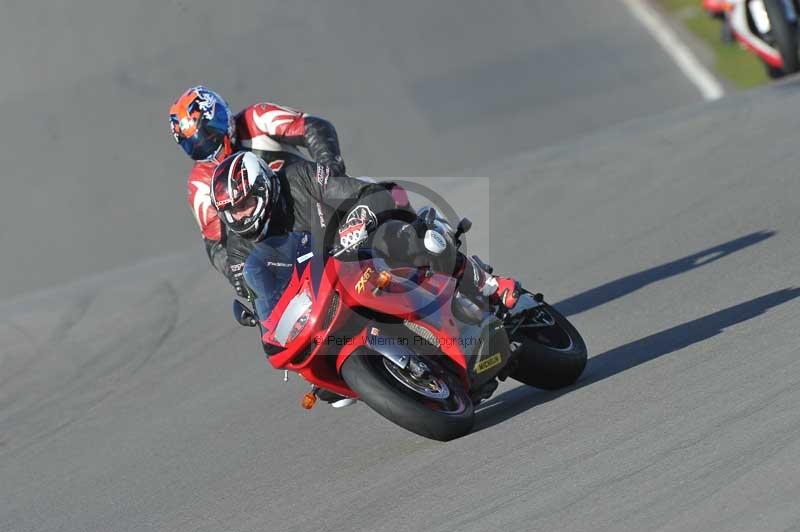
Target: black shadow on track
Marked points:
631	283
619	359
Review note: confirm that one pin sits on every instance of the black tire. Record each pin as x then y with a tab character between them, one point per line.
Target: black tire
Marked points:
773	73
547	367
365	373
785	35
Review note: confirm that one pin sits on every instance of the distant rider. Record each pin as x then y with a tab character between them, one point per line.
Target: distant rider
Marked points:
204	126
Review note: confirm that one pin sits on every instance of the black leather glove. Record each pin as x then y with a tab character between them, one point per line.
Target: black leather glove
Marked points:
336	166
322	143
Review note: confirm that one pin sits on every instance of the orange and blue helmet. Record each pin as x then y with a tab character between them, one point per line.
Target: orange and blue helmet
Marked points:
202	124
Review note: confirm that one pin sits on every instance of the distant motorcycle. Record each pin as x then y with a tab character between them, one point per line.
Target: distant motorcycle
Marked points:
406	342
769	28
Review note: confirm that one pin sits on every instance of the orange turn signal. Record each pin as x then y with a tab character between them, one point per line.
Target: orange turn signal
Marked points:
383	280
309	400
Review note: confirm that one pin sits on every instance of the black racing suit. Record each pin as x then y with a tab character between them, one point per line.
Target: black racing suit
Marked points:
274	133
313	206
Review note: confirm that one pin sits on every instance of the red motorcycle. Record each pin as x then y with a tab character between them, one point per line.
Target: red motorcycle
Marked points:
407	343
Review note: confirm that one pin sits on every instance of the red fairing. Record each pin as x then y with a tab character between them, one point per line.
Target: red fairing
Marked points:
261	123
199	189
316	369
352	284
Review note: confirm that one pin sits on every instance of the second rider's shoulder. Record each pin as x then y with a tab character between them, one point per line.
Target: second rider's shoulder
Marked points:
263	107
266	111
269	119
201	173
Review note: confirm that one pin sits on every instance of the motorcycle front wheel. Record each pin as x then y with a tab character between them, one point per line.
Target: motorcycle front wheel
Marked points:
434	404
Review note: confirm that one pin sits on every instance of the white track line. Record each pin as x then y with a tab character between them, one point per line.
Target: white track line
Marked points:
710	88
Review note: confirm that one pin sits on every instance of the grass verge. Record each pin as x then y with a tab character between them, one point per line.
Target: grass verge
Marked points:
740	67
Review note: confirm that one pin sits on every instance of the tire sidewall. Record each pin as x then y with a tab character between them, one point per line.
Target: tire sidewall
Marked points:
547	368
785	36
363	374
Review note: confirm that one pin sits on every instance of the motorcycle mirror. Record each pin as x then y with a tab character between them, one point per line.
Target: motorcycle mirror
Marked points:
463	226
243	315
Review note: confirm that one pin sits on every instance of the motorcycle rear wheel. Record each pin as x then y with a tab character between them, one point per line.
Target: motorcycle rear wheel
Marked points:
439	416
549	357
785	35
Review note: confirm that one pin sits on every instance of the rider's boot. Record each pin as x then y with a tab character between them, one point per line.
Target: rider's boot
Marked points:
500	290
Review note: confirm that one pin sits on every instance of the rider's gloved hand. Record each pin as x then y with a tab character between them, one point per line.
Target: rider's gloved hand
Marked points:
337	166
334	164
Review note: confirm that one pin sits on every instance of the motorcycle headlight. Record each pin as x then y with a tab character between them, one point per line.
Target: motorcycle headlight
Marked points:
294	318
299	325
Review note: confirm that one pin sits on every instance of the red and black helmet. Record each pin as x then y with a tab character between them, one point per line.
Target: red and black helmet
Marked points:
244	191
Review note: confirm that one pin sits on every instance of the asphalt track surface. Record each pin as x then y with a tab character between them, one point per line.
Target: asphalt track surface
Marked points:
92	181
129	401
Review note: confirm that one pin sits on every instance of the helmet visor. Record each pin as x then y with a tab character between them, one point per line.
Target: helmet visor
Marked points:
202	148
245	209
248	216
